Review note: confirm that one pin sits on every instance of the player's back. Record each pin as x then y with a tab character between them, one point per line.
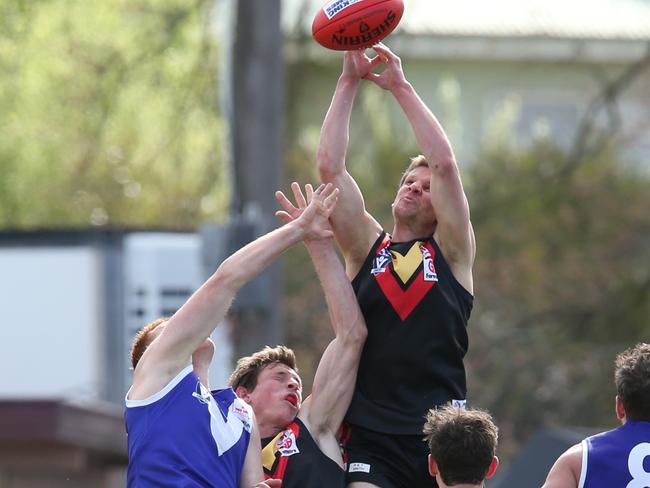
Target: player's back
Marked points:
617	458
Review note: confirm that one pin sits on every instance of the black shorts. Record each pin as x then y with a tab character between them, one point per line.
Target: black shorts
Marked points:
385	460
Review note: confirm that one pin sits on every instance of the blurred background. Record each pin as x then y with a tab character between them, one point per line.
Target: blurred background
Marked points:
141	142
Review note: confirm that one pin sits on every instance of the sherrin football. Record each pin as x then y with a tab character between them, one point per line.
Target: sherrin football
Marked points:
344	25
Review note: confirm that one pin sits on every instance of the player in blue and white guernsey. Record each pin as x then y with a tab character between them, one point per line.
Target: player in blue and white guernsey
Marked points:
414	285
179	432
619	457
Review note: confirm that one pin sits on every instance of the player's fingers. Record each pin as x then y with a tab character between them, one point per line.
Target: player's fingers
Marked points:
297	193
284	201
284	216
309	190
270	484
330	200
375	61
380	47
372	77
326	189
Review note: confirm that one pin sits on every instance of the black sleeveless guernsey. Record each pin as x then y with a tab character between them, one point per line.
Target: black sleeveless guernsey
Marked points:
294	457
417	314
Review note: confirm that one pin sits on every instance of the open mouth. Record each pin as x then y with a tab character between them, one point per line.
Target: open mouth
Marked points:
292	399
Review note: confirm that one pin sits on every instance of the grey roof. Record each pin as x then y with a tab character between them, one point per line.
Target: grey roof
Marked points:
575	19
600	31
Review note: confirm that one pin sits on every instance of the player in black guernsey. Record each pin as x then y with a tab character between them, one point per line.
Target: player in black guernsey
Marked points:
299	438
414	285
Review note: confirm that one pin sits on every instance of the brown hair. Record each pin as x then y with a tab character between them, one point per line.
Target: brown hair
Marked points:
462	442
632	378
249	367
416	162
143	339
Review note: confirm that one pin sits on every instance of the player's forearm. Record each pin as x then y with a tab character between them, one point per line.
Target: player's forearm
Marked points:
210	303
344	312
252	259
429	134
335	132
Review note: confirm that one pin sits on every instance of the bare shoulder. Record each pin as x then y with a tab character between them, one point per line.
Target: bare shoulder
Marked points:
565	473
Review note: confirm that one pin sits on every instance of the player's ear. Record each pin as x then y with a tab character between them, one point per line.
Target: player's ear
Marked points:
243	393
433	466
493	467
620	409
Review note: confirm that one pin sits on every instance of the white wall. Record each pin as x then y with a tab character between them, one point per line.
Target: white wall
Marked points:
161	271
51	322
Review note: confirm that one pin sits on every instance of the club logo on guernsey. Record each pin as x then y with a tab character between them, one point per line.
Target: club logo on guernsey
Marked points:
286	444
226	428
427	265
380	262
406	275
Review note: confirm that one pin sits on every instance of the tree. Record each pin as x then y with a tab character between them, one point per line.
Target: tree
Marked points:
109	114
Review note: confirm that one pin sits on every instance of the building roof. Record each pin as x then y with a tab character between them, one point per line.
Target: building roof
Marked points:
588	30
61	434
577	19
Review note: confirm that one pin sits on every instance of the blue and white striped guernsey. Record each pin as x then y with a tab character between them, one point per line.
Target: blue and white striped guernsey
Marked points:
186	436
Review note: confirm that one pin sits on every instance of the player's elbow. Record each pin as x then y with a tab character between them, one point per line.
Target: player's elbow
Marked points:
328	169
445	166
355	335
226	277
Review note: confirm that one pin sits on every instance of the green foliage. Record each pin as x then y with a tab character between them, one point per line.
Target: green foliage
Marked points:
562	284
109	114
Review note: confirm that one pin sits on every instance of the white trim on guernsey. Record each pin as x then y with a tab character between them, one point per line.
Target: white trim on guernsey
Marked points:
583	470
157	396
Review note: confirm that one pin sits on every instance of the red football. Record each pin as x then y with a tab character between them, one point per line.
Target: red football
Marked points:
344	25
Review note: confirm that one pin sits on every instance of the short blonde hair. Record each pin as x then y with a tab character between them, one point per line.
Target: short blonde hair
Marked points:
416	162
249	367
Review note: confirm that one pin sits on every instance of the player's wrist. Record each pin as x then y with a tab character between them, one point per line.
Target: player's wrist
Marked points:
402	86
348	80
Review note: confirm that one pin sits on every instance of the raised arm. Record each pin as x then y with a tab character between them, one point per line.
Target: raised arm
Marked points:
336	374
188	328
454	231
355	230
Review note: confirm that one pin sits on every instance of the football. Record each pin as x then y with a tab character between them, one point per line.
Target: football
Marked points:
344	25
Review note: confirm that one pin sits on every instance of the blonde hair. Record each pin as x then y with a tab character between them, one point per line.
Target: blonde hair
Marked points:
416	162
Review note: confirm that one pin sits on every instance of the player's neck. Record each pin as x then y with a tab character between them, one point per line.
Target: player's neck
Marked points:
404	232
463	485
268	429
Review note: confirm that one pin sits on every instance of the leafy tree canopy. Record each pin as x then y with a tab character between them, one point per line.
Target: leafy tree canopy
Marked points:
109	114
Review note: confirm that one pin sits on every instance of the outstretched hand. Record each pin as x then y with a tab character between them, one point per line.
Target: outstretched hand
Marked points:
311	213
393	74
